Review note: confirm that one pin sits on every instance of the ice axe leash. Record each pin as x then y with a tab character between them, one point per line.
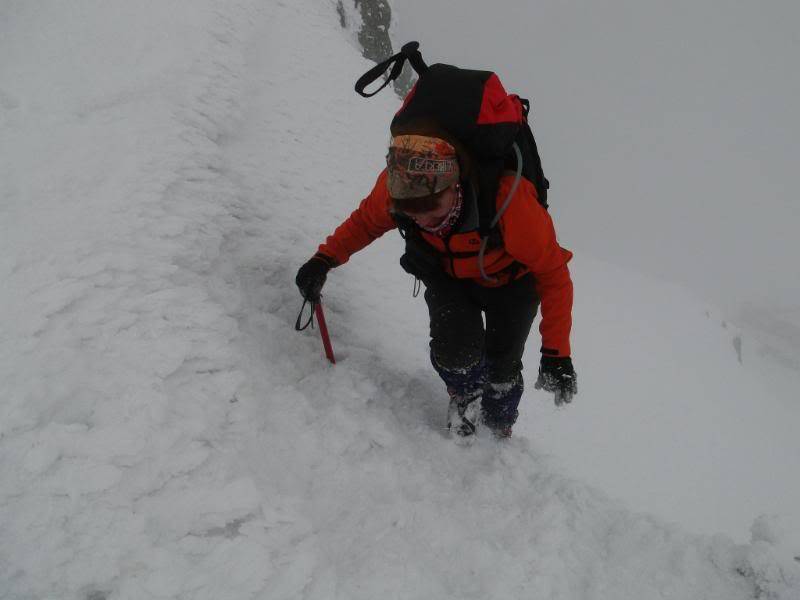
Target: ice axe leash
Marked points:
316	309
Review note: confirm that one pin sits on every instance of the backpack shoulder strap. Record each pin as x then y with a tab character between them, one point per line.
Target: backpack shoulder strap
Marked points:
488	179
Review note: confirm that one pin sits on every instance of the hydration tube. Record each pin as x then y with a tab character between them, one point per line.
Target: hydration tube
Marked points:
500	212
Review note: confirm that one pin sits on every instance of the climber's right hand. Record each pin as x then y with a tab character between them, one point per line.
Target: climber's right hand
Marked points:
311	276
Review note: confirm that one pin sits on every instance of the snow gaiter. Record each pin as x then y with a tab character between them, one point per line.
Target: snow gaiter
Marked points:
467	383
465	388
500	402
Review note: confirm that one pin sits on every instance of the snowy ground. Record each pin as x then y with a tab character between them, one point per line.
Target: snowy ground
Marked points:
164	432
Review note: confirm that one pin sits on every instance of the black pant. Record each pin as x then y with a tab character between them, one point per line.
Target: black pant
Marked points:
458	337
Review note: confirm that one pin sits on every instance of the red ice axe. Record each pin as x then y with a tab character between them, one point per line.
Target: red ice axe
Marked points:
316	309
323	331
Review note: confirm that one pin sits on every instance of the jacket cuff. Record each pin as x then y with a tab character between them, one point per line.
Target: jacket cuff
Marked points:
326	259
553	352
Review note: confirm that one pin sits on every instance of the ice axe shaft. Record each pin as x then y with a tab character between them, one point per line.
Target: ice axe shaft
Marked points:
323	331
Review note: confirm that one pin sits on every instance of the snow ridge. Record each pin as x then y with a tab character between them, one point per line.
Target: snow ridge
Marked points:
118	374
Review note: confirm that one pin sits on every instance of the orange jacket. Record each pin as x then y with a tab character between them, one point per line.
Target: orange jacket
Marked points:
529	238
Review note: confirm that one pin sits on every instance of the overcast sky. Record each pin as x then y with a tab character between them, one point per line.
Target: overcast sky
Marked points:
670	131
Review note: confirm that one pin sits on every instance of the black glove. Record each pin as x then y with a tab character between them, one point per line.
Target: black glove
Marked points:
556	374
311	276
421	259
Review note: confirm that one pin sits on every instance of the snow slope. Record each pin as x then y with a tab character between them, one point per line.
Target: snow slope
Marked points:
164	432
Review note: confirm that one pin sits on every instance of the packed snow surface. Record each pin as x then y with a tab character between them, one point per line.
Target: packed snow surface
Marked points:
164	431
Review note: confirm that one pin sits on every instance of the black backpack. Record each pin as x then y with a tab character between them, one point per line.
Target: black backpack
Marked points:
474	107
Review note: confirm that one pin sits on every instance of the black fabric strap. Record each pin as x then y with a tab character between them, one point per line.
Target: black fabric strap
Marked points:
417	286
377	71
409	52
488	172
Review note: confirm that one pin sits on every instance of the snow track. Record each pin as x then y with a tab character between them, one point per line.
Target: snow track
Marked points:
164	432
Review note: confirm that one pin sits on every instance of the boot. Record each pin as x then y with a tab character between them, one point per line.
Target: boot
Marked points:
462	414
465	388
499	405
501	432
